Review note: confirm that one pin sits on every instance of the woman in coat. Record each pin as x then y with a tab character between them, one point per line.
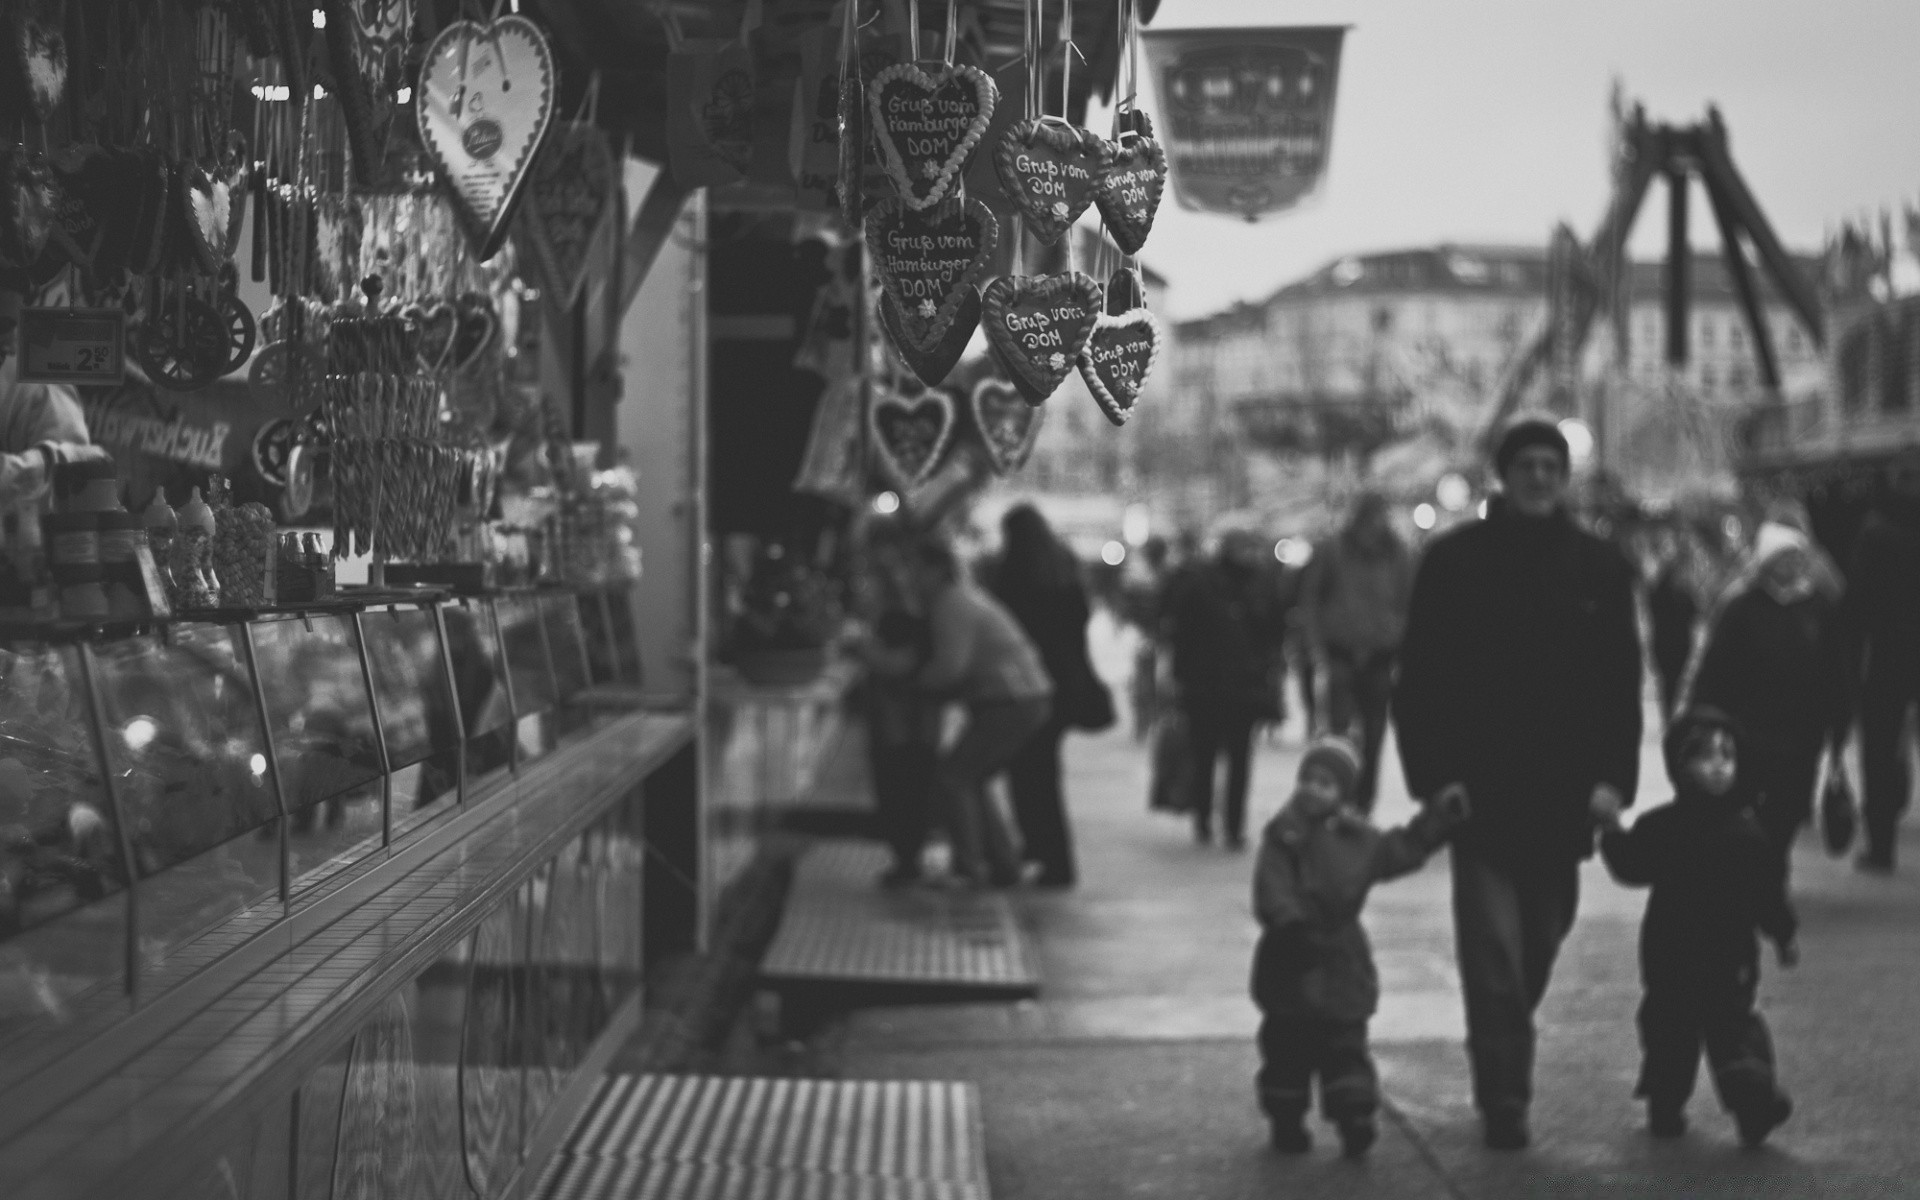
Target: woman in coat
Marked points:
1038	580
1775	661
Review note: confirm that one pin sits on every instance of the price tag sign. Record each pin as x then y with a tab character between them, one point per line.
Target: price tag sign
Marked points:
72	345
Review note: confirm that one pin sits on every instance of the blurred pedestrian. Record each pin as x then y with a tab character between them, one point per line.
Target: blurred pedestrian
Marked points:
1313	974
1225	635
1141	593
1775	660
1519	686
1354	610
1716	879
1037	578
981	659
1883	604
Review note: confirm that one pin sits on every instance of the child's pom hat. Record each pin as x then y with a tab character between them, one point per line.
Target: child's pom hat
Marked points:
1690	729
1338	755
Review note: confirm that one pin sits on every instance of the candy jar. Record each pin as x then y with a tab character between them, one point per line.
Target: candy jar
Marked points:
192	557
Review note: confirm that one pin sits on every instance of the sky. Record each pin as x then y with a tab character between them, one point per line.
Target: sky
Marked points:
1486	121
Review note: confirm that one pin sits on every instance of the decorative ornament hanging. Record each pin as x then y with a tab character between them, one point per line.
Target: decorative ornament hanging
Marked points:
569	201
1124	291
1049	170
927	124
484	102
853	130
929	260
910	432
931	355
35	57
1129	190
1118	358
437	323
1037	326
1008	425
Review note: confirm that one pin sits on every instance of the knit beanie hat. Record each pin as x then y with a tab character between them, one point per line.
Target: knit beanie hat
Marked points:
1525	432
1773	538
1689	732
1337	755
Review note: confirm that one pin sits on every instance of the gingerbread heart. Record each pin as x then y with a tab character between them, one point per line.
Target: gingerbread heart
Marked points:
570	197
478	326
927	125
910	433
1008	424
1037	326
1049	169
929	259
931	355
1118	359
1125	291
484	102
1128	193
438	322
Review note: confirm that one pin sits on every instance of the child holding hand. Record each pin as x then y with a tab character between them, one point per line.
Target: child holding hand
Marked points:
1716	879
1313	972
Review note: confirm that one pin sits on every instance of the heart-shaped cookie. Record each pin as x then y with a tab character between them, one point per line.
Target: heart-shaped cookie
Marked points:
1037	326
474	334
1008	425
1049	169
1128	193
484	101
927	124
1118	359
910	433
37	54
1125	291
931	355
929	259
437	323
570	197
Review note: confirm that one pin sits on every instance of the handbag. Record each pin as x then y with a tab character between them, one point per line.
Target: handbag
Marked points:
1837	816
1171	786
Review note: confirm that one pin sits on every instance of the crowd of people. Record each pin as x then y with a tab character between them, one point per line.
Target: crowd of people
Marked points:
1507	657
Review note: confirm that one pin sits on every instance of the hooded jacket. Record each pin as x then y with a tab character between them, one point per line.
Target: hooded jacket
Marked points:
1716	879
1310	882
1520	678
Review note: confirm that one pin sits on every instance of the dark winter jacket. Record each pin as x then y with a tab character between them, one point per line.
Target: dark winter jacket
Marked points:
1354	596
1225	625
1780	670
1309	883
1883	594
1671	611
1054	616
1716	879
1520	678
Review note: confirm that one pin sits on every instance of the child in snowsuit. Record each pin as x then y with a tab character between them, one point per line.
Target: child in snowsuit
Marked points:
1716	879
1313	973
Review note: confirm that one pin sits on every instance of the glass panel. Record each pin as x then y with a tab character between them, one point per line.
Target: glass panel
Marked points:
378	1140
568	641
254	1163
491	1079
622	855
63	912
626	642
601	660
323	736
526	648
318	1121
479	679
416	709
439	1005
184	742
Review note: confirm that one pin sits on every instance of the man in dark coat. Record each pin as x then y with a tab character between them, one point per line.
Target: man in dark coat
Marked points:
1225	629
1519	685
1883	609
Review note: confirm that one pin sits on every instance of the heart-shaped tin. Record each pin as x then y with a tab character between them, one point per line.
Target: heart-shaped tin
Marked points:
1008	425
910	433
1049	169
1118	359
485	99
927	124
1037	325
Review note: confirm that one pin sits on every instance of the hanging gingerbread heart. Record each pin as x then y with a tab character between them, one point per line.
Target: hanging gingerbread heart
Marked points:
931	355
1129	191
570	197
1118	359
1049	169
1008	424
478	326
928	259
1037	325
910	433
484	101
437	323
927	124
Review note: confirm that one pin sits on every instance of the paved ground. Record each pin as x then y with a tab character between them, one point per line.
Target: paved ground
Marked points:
1132	1075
